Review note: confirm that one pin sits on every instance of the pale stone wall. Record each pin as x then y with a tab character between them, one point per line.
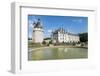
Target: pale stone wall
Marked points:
65	37
38	35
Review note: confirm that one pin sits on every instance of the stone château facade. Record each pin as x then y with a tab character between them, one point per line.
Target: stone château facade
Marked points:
60	35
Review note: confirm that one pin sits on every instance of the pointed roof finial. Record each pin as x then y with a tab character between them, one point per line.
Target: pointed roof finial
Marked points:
38	19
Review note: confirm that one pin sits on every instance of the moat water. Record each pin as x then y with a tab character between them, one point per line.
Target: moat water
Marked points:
58	53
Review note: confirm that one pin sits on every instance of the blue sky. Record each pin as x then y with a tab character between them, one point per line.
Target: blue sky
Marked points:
73	24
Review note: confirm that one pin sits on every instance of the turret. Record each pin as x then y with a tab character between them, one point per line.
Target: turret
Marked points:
37	32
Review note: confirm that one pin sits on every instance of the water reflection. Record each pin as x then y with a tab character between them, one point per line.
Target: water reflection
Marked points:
57	53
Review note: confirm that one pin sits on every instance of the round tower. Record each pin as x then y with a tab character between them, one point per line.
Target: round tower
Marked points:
37	32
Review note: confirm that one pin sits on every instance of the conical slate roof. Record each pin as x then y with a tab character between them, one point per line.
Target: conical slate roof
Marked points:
38	24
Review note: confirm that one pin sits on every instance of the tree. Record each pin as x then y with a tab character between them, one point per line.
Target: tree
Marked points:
83	37
29	38
44	42
50	42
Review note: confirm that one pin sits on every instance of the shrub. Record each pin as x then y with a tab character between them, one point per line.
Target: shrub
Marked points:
44	42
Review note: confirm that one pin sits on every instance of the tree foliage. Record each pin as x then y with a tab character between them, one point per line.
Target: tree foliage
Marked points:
83	37
44	42
29	38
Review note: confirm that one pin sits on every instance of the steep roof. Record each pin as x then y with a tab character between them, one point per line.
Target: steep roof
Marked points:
37	24
62	30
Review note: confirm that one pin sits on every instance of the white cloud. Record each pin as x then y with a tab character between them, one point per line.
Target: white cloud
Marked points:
49	31
30	35
30	23
77	20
